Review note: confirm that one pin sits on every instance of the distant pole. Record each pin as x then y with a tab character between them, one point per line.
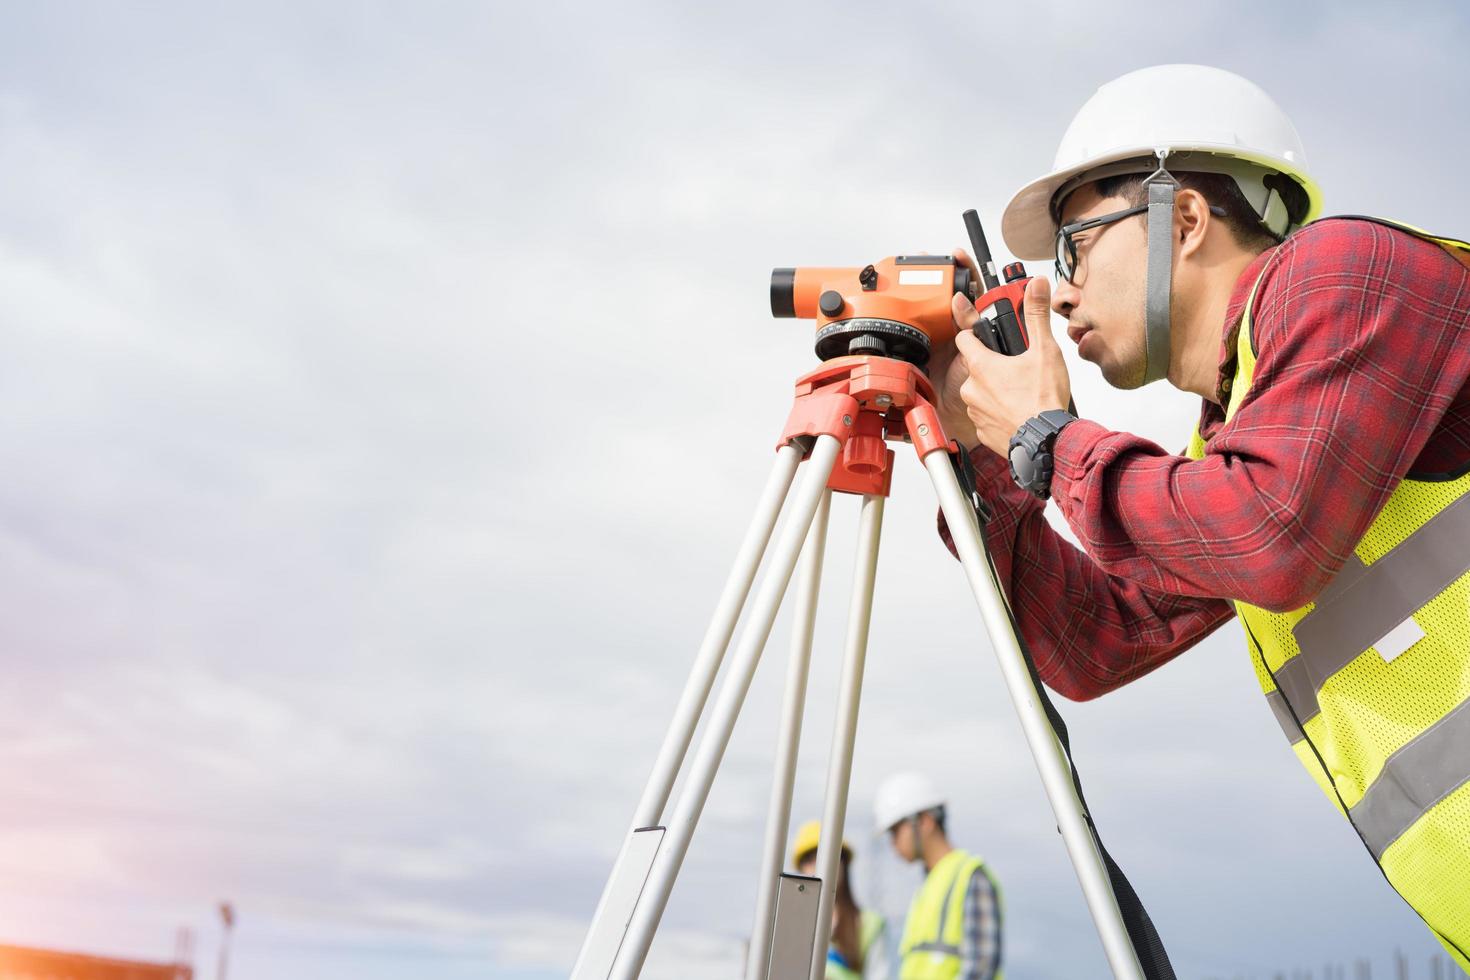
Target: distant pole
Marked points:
184	952
227	915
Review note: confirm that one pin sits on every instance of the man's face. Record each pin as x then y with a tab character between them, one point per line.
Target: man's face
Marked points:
901	835
1104	303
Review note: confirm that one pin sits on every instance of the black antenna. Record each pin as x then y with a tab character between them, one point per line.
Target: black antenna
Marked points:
981	249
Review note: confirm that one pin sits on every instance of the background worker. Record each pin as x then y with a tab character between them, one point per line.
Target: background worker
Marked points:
858	949
1326	492
953	926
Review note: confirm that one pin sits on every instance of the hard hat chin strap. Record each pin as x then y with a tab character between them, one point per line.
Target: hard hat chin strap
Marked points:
1161	190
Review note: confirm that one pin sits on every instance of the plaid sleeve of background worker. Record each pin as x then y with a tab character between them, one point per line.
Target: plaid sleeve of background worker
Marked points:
1362	339
980	959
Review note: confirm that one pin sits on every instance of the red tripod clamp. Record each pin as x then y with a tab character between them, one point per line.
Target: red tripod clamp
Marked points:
864	402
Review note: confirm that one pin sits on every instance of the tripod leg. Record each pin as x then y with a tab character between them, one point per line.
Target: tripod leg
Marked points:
844	733
1046	749
778	820
639	849
655	895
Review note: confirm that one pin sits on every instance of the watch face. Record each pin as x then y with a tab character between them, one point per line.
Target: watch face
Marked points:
1023	466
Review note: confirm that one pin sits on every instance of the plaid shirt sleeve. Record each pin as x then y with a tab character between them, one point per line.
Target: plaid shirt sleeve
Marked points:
980	950
1362	340
1088	629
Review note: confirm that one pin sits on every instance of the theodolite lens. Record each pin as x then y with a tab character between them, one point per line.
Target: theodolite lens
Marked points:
783	293
963	282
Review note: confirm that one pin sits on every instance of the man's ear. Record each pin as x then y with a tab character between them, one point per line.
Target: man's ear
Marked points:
1192	219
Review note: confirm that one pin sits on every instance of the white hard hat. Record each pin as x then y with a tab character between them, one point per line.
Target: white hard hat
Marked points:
903	795
1205	119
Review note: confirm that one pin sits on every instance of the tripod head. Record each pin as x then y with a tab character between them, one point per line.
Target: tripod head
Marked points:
900	307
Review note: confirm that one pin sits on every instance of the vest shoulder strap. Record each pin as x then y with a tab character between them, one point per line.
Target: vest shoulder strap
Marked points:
952	916
870	928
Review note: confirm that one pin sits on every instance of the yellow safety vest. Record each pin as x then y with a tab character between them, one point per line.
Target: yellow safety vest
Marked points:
1371	681
935	930
869	929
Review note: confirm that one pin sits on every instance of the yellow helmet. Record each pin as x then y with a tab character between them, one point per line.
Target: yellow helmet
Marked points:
807	839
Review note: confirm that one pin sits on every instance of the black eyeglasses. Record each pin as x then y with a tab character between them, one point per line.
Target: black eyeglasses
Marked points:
1066	264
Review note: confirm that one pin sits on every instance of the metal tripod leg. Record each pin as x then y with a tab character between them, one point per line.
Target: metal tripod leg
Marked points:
844	731
640	847
809	961
778	819
1045	747
654	897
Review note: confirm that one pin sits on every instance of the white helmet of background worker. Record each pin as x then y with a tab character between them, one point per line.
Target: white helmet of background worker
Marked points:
904	795
1180	118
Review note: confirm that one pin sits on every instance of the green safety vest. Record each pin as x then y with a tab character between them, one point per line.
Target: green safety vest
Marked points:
1371	681
870	927
935	930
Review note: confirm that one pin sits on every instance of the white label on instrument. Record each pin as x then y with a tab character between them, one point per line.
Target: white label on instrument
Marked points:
920	277
1399	639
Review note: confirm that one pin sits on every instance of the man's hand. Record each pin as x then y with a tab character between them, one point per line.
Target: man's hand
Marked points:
1000	393
949	370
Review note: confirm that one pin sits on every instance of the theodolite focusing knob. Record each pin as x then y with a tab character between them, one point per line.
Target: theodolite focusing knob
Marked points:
1014	271
831	303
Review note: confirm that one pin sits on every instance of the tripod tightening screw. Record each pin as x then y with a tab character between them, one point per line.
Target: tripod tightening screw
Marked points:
923	429
847	420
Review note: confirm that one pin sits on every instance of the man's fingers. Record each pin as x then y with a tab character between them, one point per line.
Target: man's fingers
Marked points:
965	314
1038	311
973	350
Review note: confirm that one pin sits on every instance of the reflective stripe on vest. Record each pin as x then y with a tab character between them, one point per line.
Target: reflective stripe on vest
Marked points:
935	929
1371	682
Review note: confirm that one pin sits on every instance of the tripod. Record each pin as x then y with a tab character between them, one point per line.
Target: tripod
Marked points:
835	439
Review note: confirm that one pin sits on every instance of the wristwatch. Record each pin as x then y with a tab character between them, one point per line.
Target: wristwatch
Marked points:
1030	450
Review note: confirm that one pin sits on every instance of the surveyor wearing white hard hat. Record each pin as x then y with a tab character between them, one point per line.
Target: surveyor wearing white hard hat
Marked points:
953	929
1324	498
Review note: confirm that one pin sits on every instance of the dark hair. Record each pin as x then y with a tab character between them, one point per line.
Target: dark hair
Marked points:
844	888
1222	191
844	857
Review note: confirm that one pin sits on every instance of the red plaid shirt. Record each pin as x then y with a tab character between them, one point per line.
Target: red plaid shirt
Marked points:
1362	336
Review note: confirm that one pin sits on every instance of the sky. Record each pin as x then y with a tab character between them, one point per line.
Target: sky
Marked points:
386	391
